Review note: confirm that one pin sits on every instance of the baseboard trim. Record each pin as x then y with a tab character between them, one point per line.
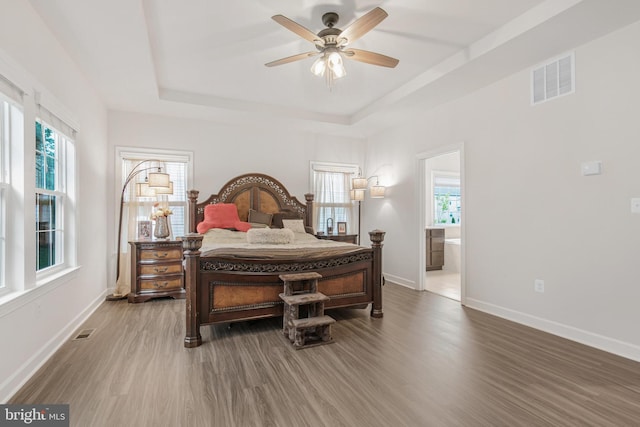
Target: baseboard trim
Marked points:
399	281
13	384
610	345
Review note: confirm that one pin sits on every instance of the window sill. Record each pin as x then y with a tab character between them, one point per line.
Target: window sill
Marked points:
14	300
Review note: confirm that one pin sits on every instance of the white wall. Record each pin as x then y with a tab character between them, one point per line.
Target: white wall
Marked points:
530	214
223	152
44	318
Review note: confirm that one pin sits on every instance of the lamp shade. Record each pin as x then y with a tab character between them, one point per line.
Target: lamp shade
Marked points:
377	191
358	195
163	190
143	190
359	183
158	179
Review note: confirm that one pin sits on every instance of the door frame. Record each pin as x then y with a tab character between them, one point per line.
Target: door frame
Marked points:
421	160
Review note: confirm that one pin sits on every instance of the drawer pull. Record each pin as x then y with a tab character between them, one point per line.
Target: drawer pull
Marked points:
161	285
161	270
161	254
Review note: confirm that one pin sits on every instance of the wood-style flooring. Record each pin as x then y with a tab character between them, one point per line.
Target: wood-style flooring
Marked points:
428	362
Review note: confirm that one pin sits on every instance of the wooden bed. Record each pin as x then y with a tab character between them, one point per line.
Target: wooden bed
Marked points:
224	288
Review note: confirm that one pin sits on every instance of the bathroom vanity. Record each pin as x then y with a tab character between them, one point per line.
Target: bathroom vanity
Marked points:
435	248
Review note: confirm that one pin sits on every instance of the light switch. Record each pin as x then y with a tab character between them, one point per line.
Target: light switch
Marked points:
592	168
635	205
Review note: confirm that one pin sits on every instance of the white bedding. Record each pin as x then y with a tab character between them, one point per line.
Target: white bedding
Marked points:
217	238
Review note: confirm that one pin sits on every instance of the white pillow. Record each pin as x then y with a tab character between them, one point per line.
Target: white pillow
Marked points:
295	225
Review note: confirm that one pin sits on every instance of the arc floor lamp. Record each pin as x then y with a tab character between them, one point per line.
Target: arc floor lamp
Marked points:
155	183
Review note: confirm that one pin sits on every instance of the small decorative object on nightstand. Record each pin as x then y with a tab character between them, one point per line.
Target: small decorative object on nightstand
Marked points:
329	225
342	228
156	270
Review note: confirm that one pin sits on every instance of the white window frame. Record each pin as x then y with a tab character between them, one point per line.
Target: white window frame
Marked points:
134	153
29	100
64	144
5	128
352	215
11	142
49	111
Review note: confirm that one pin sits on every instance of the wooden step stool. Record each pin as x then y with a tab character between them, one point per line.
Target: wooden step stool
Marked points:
301	291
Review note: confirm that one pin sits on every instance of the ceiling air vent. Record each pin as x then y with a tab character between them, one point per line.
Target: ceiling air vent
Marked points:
553	79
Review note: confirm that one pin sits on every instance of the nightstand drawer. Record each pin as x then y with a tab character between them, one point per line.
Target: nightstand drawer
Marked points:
149	269
161	283
160	254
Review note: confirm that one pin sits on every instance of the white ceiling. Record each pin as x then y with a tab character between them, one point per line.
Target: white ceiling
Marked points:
205	59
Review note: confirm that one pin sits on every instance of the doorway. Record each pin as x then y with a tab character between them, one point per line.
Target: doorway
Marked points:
442	222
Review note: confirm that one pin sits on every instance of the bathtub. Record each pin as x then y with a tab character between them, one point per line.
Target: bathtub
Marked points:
452	255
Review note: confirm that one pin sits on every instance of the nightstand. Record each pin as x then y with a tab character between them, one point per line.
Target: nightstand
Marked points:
156	270
348	238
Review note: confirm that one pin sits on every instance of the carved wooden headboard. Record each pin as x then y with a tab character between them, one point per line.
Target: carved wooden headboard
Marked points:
251	191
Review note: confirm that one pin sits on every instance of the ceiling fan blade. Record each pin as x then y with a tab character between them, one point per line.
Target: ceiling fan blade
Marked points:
298	29
370	57
362	25
293	58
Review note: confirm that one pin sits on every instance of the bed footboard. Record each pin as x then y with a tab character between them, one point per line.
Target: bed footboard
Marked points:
232	294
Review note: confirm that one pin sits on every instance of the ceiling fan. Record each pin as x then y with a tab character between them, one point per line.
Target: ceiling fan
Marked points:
331	44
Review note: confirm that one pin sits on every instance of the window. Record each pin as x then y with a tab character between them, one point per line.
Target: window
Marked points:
137	207
331	184
11	141
37	187
50	195
177	201
5	111
446	198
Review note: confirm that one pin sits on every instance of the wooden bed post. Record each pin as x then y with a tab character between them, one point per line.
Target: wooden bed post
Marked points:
376	236
193	199
191	243
309	214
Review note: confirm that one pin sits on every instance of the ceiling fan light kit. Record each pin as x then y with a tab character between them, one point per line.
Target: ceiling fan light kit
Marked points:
331	44
329	65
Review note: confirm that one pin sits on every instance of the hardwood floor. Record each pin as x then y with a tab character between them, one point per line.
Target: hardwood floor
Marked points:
428	362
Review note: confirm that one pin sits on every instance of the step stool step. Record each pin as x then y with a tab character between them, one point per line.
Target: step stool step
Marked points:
295	277
312	322
300	299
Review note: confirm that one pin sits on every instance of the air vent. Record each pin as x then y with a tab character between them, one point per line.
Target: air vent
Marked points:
83	335
553	79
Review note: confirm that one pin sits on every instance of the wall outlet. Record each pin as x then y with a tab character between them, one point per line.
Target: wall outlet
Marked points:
538	285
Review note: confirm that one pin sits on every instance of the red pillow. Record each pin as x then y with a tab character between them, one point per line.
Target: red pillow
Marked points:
222	215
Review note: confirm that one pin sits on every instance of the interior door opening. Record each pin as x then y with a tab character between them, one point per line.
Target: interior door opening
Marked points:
442	224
